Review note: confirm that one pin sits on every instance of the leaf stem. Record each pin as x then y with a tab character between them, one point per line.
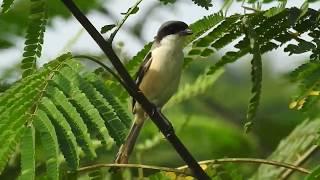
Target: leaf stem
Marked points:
115	75
113	34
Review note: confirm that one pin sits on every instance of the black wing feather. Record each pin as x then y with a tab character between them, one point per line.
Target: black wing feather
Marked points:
141	72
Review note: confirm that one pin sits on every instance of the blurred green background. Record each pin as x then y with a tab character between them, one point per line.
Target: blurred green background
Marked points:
211	123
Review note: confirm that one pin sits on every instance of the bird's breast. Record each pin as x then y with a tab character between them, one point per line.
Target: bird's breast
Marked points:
162	79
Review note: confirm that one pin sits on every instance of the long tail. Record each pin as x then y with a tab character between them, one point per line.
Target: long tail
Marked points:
126	148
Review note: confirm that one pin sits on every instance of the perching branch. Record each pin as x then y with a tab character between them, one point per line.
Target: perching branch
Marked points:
156	116
130	11
183	169
136	166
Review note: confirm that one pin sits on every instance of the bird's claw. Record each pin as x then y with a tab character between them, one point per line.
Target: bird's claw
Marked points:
156	109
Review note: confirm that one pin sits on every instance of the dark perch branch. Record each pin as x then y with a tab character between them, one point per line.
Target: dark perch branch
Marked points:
157	117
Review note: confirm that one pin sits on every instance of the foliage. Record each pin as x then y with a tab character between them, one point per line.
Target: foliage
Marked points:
34	37
292	149
62	108
203	3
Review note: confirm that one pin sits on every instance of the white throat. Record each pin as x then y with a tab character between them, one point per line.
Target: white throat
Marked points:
173	41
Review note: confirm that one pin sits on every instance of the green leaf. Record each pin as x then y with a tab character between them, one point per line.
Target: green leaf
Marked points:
218	37
167	1
49	142
273	11
304	8
28	154
302	47
13	138
107	28
34	37
134	11
307	75
6	4
66	138
17	106
80	101
116	128
74	119
202	25
118	109
256	75
203	3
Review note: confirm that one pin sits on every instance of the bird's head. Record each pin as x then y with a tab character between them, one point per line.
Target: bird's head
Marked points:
173	31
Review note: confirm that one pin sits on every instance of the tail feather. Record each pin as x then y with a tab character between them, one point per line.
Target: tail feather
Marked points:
126	148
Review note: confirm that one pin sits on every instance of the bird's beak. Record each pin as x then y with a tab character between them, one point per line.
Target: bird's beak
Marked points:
186	32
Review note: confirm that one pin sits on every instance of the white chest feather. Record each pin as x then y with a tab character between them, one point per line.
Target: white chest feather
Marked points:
164	72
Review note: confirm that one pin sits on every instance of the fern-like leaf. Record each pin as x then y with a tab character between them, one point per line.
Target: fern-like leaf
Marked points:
28	154
88	112
69	112
307	75
256	74
49	142
66	138
116	128
203	3
118	109
202	46
202	25
34	37
24	99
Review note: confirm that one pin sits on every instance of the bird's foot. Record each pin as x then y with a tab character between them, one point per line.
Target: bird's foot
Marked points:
121	158
156	110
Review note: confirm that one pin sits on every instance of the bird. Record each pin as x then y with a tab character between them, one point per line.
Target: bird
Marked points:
157	78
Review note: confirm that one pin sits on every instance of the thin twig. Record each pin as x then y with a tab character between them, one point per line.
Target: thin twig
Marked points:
136	166
250	8
183	169
103	65
253	160
113	34
286	174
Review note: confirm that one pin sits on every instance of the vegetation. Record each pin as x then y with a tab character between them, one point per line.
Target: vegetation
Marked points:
65	120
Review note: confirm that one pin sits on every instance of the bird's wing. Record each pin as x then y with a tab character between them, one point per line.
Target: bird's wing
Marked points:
144	67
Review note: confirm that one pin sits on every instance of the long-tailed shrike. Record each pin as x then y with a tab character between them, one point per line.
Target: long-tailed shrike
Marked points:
158	77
